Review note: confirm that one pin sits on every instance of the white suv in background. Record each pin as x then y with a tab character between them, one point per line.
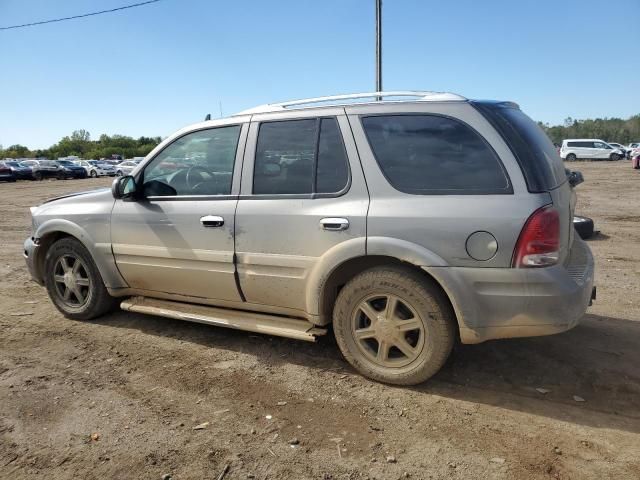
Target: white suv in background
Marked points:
589	149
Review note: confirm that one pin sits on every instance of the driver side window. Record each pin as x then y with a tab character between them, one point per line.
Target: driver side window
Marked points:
199	163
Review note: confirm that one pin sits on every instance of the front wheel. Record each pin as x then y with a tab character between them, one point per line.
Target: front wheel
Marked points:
74	283
119	173
614	157
394	325
94	174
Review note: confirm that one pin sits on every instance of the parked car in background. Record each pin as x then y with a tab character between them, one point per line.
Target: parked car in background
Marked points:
44	169
619	146
631	147
70	170
21	172
589	149
95	168
125	168
408	225
6	174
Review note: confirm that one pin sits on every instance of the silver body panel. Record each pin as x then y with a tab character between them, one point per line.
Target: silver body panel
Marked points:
273	254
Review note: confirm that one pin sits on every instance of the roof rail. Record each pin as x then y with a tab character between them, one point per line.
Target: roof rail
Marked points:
421	96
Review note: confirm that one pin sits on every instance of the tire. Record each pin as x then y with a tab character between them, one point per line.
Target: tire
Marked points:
68	255
418	302
614	157
571	157
119	173
93	174
61	176
584	226
37	176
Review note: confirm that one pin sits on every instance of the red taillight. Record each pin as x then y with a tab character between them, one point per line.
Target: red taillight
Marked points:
539	241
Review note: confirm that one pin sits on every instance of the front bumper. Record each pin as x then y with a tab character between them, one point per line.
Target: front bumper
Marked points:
492	303
30	254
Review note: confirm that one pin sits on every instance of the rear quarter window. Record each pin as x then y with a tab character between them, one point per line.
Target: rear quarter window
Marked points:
539	161
433	154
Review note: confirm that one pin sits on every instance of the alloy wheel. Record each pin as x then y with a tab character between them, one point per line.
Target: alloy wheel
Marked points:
388	331
72	282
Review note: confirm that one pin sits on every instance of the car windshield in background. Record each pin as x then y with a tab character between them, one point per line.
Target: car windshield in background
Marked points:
538	158
14	164
66	163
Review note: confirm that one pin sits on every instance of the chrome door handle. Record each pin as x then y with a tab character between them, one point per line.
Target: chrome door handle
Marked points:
211	221
334	224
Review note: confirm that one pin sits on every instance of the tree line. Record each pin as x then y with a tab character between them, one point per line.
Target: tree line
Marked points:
607	129
79	143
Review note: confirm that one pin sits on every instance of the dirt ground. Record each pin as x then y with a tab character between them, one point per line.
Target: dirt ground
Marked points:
140	384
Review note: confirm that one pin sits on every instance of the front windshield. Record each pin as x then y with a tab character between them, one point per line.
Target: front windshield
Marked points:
13	164
93	162
66	163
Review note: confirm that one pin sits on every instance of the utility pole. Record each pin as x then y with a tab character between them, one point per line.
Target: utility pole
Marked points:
378	47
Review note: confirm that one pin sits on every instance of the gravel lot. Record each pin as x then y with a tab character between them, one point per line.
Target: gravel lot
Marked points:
119	398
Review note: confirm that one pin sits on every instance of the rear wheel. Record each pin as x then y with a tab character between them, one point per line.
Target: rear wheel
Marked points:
571	157
119	173
394	326
37	175
94	174
74	283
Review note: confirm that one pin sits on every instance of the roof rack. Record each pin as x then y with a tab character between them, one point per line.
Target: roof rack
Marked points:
419	96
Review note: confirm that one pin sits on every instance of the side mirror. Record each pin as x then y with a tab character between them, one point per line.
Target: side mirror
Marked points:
575	178
123	187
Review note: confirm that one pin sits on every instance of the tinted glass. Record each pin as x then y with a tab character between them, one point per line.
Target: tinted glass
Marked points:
285	156
428	154
200	163
333	167
539	161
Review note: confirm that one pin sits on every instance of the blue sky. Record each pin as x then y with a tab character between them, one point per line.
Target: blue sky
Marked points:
151	70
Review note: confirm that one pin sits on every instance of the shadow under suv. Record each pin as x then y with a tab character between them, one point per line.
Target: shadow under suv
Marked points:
407	223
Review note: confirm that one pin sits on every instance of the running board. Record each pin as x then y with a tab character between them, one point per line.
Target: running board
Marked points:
222	317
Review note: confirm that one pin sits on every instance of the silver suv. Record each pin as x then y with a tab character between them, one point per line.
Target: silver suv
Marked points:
406	222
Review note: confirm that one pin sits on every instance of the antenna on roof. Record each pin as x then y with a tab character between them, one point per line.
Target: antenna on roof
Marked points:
208	117
378	47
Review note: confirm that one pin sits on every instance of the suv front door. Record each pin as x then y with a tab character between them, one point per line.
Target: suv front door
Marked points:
178	236
303	195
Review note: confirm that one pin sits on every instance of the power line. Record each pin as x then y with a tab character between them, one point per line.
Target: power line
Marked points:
79	16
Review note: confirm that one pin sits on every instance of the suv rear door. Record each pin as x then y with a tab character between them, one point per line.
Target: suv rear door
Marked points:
303	195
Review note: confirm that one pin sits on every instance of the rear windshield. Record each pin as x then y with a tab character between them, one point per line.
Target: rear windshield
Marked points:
539	161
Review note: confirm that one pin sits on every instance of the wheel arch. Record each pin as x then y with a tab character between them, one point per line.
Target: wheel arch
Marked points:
53	230
348	269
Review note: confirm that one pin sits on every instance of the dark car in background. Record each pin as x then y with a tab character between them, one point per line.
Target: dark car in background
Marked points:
68	169
6	174
21	172
61	169
43	168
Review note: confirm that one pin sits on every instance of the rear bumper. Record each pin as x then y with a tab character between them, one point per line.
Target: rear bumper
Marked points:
492	303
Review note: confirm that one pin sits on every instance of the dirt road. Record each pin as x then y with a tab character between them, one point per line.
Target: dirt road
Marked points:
141	384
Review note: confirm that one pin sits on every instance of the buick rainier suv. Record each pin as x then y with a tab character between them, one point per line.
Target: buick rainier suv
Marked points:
405	221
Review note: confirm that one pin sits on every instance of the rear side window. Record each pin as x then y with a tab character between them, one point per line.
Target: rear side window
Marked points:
539	161
431	155
300	157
